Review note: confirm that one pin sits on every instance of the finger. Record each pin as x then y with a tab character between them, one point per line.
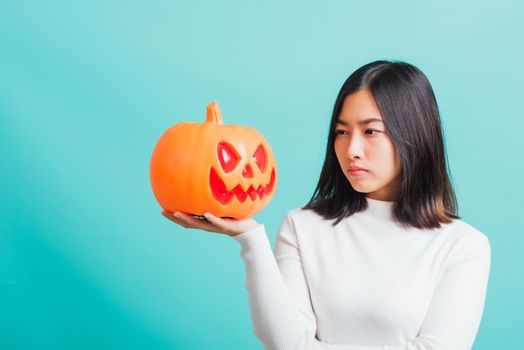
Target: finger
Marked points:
188	221
202	224
175	216
215	219
182	220
170	216
218	222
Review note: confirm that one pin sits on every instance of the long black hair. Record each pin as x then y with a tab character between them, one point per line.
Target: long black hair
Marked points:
409	109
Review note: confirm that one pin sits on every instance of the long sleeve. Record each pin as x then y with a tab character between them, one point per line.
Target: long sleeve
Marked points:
453	319
278	293
455	313
281	306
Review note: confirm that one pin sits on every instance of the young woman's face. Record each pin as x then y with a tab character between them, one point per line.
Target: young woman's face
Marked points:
362	142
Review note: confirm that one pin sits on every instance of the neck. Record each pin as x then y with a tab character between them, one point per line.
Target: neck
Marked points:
380	209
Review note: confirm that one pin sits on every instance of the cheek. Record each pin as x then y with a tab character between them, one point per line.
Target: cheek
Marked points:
339	150
383	156
398	163
387	149
392	159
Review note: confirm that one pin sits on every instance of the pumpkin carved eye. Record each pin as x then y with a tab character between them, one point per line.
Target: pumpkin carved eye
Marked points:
228	156
260	158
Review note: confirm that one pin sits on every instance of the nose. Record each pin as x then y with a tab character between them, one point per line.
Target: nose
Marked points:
248	172
354	148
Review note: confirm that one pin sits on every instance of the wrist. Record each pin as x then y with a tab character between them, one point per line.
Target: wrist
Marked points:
245	229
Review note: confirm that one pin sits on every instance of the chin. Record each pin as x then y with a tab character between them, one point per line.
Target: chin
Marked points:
362	189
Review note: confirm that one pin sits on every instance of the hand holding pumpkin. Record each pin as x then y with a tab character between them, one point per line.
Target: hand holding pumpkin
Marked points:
211	223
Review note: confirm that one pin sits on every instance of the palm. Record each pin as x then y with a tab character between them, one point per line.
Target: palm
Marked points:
211	223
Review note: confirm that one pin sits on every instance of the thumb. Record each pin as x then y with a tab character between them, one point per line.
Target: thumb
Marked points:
215	219
224	225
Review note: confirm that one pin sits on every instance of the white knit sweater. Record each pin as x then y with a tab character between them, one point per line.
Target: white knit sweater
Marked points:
365	284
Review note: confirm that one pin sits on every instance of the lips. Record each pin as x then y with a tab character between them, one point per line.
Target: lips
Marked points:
355	168
224	196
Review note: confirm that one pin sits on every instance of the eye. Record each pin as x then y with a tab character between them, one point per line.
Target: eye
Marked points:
228	156
341	132
260	157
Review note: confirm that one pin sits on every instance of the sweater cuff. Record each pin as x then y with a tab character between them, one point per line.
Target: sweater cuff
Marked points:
252	238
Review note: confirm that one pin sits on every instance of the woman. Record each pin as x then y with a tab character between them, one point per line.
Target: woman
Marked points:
378	258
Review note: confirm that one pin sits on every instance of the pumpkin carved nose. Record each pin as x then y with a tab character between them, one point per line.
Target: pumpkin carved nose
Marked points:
247	172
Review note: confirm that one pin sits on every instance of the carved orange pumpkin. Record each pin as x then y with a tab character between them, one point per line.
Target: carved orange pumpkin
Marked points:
228	170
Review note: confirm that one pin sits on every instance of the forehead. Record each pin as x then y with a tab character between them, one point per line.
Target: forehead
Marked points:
364	121
359	107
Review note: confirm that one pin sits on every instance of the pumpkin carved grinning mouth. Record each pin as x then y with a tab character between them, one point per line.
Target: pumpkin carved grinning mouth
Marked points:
224	196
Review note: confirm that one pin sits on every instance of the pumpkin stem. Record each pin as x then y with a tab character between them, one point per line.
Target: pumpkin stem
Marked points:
213	114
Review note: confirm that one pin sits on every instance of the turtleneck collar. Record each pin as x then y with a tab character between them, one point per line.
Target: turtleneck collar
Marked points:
379	209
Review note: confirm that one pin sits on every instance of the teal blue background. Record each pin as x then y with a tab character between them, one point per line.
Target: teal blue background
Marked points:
87	88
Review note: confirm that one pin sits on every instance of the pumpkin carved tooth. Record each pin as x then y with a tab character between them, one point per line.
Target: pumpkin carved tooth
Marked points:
241	195
260	192
252	193
221	193
218	187
268	190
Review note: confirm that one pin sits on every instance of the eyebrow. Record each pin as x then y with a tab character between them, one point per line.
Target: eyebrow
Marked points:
361	122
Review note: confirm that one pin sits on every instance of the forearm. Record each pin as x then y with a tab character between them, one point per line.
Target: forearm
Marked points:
277	319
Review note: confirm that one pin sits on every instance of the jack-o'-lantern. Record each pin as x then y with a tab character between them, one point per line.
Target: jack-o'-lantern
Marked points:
227	170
